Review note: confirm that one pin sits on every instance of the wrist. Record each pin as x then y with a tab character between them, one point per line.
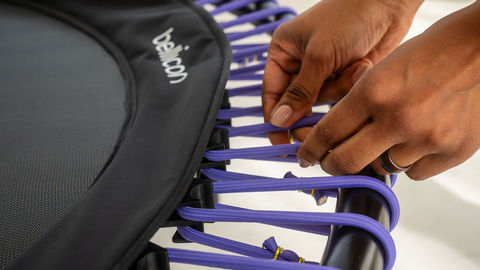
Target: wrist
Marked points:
451	49
465	24
473	18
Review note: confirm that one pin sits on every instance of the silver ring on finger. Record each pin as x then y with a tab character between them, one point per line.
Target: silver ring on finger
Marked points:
390	166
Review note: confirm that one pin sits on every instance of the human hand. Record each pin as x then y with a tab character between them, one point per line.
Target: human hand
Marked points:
422	103
317	56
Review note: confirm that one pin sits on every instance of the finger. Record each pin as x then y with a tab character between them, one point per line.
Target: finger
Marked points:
285	137
300	95
429	166
433	164
275	80
401	155
332	91
300	134
341	122
335	89
357	152
279	137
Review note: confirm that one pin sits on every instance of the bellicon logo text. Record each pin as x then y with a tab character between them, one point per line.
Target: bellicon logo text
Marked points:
169	56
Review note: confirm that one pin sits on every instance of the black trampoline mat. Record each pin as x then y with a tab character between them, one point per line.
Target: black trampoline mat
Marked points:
61	111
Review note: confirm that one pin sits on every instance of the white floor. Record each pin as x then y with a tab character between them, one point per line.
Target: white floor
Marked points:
438	223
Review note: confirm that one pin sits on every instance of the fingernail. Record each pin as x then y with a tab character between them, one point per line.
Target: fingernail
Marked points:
362	69
281	116
304	163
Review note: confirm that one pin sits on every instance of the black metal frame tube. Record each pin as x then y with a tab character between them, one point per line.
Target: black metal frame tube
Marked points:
351	248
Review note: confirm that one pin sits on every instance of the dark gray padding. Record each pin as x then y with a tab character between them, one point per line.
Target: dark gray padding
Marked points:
61	108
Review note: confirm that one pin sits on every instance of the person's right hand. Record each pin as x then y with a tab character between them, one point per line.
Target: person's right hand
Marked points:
318	55
420	106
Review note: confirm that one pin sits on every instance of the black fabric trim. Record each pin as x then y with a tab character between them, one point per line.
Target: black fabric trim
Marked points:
133	253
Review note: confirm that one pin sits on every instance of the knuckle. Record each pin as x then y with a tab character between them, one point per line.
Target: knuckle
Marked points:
281	31
284	27
325	136
319	54
376	100
401	120
379	95
343	163
441	138
299	93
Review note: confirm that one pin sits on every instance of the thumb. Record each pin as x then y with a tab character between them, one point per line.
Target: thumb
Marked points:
359	68
335	89
302	94
298	99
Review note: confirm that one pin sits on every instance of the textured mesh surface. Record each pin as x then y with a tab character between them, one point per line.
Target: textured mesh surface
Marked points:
61	110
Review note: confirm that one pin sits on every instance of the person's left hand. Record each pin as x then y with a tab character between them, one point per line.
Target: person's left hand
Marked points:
319	54
422	103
